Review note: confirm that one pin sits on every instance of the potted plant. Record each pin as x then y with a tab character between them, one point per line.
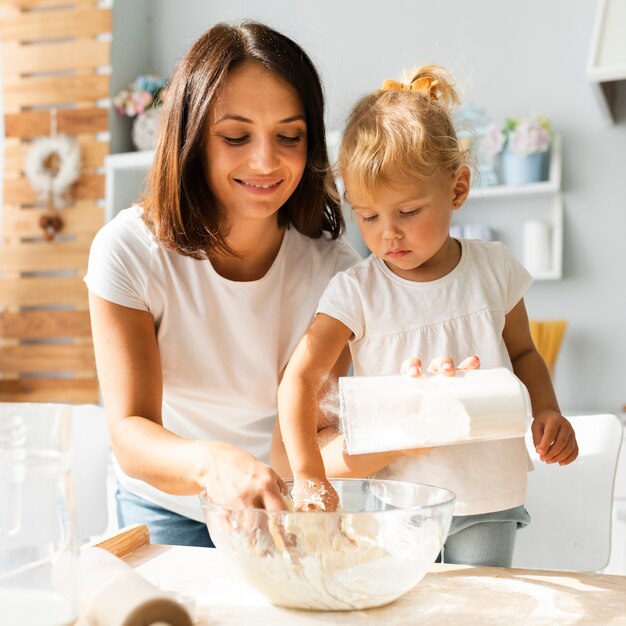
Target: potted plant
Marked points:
140	100
522	145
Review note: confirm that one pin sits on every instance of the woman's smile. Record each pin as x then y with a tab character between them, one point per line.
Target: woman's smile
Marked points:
260	186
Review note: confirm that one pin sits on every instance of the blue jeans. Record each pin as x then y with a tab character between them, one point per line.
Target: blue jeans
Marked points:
485	539
165	526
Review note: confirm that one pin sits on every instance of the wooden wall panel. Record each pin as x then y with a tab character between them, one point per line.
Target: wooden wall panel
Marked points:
61	256
20	58
55	79
15	6
81	220
35	358
55	91
46	25
44	324
72	390
29	291
93	154
19	190
31	124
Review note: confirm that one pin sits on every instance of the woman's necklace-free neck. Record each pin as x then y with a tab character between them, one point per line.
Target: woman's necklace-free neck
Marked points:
256	250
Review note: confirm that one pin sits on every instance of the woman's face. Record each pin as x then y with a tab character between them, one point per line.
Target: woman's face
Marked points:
257	145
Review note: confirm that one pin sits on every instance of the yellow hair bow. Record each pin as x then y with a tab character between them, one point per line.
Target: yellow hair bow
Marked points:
426	84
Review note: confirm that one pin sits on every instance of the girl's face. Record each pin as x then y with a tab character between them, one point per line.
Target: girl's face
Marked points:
257	146
408	225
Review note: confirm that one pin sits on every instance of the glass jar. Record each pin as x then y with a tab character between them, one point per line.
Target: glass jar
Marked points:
38	545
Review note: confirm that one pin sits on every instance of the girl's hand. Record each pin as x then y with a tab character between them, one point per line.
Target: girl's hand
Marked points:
236	478
314	495
554	438
441	365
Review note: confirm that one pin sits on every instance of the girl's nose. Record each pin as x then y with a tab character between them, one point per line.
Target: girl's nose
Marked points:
264	156
392	231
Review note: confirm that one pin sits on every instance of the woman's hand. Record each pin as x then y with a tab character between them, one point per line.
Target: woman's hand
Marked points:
441	365
314	495
554	438
236	478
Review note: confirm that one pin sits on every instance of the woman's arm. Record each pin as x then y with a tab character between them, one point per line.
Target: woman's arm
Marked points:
553	435
130	377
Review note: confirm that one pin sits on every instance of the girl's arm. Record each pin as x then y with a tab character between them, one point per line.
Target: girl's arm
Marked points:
337	462
325	422
553	435
130	377
306	374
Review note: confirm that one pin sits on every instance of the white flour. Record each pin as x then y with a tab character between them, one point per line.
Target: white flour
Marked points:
395	412
337	562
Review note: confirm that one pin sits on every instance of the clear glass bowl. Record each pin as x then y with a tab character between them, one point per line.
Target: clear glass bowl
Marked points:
376	548
38	543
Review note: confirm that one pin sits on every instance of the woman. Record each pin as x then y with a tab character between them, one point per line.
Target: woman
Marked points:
199	296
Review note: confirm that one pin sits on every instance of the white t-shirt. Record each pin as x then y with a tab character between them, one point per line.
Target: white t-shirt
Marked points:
459	315
223	344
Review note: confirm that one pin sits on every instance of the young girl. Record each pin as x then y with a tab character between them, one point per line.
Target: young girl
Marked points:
421	292
199	296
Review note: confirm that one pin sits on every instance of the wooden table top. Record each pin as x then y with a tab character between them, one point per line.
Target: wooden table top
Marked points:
448	595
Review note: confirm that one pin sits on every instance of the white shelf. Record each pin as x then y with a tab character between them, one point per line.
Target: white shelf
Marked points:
502	206
506	208
129	160
502	191
552	185
125	174
606	64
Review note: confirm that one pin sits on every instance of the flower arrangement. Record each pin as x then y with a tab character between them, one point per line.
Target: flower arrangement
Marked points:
139	96
523	136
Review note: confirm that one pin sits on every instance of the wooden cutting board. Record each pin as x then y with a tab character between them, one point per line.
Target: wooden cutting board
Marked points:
448	595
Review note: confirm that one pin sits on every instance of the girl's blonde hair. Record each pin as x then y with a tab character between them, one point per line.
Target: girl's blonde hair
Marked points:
402	133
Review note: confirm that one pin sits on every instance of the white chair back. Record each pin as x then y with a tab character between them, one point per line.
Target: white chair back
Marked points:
571	505
90	449
91	452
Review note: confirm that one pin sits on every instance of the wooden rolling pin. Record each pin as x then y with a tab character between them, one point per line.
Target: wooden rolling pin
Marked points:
113	594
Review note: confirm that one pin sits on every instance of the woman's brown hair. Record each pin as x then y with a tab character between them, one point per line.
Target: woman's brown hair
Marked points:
178	203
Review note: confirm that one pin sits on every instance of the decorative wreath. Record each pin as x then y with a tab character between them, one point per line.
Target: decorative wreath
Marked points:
52	167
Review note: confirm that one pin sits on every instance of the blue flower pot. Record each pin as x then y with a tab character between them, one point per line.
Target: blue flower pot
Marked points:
521	170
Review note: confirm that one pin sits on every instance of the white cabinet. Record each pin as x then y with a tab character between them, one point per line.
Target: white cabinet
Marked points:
606	66
617	562
506	209
125	175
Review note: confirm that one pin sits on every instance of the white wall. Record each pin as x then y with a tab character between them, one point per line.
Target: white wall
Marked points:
131	55
512	58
